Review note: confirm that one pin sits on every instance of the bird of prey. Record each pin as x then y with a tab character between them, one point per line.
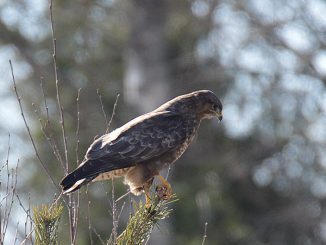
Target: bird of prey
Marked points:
142	147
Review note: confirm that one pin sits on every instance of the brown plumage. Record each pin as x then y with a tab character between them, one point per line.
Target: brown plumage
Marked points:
142	147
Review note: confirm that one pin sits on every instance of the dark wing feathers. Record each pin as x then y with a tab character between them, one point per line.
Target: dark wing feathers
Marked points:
145	140
148	139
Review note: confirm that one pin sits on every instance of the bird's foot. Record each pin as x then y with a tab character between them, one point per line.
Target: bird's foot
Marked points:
164	191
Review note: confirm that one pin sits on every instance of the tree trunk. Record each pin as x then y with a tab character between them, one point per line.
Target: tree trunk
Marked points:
146	77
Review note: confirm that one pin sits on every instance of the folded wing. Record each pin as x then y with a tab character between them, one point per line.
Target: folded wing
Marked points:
142	141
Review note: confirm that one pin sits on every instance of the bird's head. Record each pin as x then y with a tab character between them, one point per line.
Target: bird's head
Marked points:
203	103
208	105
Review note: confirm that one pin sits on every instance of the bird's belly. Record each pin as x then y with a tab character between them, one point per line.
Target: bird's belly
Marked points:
112	174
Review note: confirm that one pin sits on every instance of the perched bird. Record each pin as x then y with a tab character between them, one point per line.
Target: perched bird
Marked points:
142	147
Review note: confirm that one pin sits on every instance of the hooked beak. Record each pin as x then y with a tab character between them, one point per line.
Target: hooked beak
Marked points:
219	115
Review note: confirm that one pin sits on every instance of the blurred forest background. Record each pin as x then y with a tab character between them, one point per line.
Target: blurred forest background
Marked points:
257	178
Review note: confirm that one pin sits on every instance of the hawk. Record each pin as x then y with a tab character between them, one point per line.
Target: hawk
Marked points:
142	147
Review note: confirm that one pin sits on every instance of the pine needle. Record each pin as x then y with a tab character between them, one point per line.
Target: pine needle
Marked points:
46	220
140	224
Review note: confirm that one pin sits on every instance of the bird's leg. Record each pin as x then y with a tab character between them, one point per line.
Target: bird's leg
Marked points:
148	199
146	187
164	191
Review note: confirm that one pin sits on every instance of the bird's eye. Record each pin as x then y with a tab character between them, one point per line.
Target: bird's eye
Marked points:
214	107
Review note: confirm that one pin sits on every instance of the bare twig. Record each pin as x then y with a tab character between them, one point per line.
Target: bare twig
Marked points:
76	208
114	218
8	150
205	234
3	217
30	220
9	199
72	202
168	172
89	220
28	130
27	211
6	204
77	130
112	114
108	123
98	236
49	138
107	198
114	234
45	100
29	236
16	233
102	106
122	207
54	55
91	229
122	196
48	125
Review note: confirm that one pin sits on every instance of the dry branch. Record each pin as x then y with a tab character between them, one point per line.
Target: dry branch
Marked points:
28	129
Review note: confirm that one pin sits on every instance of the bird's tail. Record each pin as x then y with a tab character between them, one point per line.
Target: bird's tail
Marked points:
74	180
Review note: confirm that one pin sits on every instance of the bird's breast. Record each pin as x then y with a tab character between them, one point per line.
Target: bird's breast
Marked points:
183	147
175	154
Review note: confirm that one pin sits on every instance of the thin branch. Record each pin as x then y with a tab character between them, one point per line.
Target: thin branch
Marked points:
205	234
28	217
48	138
76	207
77	130
29	236
48	125
122	196
27	211
98	236
45	101
3	218
114	218
72	202
62	121
107	197
90	227
102	106
16	233
28	130
168	172
113	114
8	151
10	196
89	220
30	220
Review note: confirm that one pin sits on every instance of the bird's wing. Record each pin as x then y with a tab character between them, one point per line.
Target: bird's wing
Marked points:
140	142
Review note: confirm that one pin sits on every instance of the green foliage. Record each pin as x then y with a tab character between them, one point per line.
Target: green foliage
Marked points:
142	222
46	220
